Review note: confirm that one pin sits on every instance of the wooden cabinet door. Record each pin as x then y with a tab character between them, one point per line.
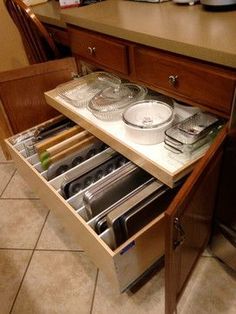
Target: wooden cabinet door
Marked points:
22	101
188	222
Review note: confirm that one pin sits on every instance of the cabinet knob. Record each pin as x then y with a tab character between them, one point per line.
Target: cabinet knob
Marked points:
173	79
52	34
91	50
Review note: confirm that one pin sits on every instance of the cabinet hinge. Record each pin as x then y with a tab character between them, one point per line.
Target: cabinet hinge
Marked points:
75	75
180	233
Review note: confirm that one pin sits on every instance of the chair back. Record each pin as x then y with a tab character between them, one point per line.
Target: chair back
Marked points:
38	44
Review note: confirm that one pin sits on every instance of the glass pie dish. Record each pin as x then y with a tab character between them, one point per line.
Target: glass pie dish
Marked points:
80	91
192	133
112	101
145	121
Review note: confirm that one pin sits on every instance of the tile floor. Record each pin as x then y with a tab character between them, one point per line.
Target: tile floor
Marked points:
43	271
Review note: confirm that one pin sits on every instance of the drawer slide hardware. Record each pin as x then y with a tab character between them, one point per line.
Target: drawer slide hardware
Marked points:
181	234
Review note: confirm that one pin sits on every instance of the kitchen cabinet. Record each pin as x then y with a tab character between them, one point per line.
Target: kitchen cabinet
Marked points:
182	231
124	264
195	82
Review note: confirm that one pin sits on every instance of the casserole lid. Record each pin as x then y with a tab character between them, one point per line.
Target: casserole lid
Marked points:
148	114
116	97
79	91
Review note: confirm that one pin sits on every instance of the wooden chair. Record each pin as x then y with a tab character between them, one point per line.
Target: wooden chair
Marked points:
38	44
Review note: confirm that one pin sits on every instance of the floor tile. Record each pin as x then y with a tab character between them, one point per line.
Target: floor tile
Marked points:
57	283
21	222
18	188
6	171
149	299
211	290
12	267
55	236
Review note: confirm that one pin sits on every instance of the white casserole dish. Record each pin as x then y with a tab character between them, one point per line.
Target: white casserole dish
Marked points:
146	121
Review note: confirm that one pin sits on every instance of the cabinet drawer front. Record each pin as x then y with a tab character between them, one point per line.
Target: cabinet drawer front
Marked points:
202	84
122	265
99	49
59	35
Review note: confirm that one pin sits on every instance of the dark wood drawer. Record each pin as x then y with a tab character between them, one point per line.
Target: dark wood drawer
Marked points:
183	78
99	49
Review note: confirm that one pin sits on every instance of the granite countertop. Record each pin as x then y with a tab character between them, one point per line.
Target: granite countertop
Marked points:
183	29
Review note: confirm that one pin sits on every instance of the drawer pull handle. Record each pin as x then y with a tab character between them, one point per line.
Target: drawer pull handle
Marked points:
173	79
91	50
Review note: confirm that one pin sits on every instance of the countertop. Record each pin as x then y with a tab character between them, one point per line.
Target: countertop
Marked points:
50	13
183	29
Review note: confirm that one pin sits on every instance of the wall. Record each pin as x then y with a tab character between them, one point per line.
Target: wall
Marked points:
12	53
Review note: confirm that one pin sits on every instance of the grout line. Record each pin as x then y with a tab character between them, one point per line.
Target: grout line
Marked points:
59	250
6	162
27	267
94	292
19	198
8	183
14	249
40	250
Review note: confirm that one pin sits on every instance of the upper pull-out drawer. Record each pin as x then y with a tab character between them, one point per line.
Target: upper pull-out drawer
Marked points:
99	49
163	164
122	259
190	80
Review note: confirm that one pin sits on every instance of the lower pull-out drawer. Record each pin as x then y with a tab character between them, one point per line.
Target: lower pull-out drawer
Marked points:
124	259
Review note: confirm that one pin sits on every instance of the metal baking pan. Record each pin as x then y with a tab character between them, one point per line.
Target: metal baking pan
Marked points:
101	225
83	180
125	221
55	126
111	190
75	159
140	215
85	167
99	222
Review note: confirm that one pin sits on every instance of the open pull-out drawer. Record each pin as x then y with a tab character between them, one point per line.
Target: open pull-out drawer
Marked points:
123	263
180	231
164	165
